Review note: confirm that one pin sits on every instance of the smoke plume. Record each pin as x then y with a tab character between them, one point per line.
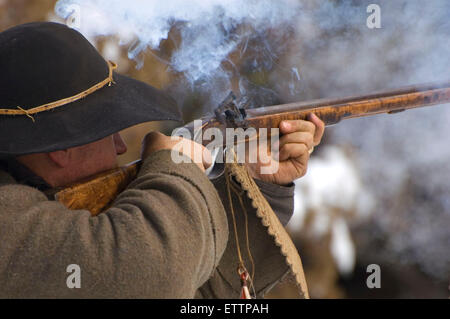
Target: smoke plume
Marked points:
210	31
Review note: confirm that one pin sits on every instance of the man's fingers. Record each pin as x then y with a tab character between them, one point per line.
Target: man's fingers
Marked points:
314	125
320	128
293	151
297	137
207	157
287	127
151	143
199	154
156	141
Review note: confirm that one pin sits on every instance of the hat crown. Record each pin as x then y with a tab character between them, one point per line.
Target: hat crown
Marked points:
53	92
44	62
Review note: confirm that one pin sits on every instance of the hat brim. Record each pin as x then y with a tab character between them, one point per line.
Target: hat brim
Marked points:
126	103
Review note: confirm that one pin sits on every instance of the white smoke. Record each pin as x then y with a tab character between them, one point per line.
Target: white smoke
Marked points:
210	29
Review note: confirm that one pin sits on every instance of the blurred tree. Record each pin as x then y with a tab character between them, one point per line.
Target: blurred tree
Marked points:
14	12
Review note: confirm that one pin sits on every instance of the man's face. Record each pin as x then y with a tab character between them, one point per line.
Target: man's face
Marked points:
97	157
64	167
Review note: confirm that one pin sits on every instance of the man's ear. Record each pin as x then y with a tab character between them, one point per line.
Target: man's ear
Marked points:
60	158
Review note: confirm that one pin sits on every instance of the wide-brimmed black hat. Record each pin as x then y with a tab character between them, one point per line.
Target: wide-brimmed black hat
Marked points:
57	92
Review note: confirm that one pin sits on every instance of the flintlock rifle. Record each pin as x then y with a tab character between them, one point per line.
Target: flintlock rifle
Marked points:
97	193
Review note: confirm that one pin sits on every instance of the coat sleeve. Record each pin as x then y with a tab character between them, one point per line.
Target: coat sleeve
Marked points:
280	198
162	238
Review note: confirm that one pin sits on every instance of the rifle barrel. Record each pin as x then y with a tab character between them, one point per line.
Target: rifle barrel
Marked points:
332	111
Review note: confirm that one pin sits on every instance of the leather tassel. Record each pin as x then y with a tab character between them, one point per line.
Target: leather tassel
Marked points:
245	293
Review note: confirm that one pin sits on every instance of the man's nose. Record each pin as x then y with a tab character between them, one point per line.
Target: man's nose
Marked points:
120	145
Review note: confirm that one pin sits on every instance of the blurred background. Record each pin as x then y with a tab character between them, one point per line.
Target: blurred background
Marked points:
377	189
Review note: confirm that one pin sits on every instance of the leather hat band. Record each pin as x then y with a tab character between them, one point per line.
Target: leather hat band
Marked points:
49	106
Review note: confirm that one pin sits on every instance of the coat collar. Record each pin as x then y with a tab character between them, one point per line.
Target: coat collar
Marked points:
23	175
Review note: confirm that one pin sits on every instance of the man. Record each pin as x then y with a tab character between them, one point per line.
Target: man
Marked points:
168	234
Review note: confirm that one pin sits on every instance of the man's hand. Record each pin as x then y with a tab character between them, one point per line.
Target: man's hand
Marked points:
298	138
155	141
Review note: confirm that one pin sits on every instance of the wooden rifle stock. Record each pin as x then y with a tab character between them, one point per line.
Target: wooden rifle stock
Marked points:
97	193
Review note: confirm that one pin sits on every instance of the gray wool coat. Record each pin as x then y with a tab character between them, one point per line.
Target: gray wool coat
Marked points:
166	236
